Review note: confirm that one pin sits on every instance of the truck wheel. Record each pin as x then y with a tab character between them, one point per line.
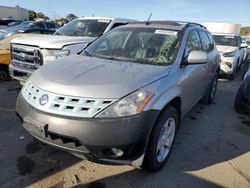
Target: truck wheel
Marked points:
210	94
161	140
4	75
238	106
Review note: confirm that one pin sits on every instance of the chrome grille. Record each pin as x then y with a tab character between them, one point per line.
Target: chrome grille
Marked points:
62	104
26	56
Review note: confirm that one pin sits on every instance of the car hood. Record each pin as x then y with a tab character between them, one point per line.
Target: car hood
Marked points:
51	41
4	52
83	76
224	49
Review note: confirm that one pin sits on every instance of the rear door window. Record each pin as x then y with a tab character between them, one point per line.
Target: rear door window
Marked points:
211	40
50	26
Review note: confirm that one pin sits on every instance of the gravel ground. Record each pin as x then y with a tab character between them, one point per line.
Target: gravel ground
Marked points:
211	150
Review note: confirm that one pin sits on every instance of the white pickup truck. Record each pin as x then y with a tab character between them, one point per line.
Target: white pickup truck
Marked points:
29	53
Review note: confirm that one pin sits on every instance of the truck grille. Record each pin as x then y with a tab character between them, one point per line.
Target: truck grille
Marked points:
26	56
62	104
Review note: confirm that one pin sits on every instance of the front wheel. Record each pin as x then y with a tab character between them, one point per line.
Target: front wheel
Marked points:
161	140
4	75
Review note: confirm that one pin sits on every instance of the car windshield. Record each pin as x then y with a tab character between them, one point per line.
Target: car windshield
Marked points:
226	40
139	45
84	27
26	25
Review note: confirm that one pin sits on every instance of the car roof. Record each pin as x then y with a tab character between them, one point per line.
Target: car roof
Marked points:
105	18
166	24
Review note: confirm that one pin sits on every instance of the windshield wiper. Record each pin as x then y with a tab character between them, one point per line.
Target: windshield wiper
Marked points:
110	58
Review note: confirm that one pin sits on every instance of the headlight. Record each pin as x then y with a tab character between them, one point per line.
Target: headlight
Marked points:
129	105
229	54
229	64
59	53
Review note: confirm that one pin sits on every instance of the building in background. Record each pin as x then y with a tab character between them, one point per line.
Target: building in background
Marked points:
14	13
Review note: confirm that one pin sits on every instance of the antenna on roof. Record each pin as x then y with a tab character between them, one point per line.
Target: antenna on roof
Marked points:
147	23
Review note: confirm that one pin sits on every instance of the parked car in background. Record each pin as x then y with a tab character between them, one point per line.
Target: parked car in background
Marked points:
29	53
5	59
122	100
232	53
4	63
28	30
4	24
242	99
30	27
229	43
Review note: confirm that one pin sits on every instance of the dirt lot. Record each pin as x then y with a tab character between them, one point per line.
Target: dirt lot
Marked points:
211	150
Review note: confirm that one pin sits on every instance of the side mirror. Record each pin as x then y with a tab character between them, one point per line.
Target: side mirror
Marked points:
197	57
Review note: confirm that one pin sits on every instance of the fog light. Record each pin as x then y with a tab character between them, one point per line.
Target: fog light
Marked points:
117	152
229	64
113	152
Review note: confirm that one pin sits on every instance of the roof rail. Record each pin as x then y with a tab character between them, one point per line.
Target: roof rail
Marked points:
189	24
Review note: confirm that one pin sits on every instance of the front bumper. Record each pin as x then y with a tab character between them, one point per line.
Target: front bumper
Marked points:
224	66
20	74
90	138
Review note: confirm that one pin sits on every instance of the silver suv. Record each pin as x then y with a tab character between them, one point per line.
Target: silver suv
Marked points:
121	102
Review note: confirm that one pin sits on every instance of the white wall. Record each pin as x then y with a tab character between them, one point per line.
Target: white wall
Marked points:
16	13
217	27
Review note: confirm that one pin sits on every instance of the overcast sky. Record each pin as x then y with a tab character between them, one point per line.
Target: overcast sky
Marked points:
184	10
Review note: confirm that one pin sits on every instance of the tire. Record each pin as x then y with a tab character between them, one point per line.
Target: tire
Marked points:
4	75
211	91
239	104
233	75
156	155
239	65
